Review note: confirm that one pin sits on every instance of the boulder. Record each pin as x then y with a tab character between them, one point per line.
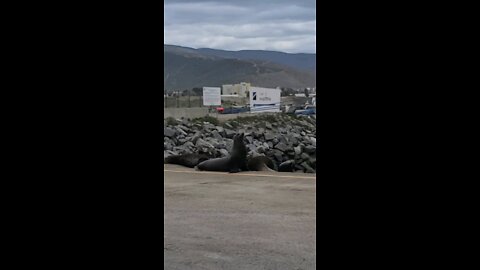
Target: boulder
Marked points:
310	149
307	168
229	133
223	152
269	136
169	132
281	146
202	143
249	139
216	135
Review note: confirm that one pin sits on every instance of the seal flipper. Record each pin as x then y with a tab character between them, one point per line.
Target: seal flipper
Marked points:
234	170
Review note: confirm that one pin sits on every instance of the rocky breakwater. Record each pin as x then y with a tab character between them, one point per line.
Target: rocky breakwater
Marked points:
289	141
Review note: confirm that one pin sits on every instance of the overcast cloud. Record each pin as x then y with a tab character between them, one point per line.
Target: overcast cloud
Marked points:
279	25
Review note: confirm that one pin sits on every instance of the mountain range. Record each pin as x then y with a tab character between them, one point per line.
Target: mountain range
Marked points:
186	68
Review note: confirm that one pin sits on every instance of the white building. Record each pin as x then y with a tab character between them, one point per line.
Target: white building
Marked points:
240	89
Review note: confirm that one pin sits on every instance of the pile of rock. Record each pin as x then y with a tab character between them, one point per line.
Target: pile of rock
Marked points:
289	141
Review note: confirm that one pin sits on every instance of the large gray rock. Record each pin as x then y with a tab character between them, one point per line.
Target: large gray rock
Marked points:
257	143
269	136
169	132
229	144
292	140
305	156
182	132
220	145
290	153
216	135
275	141
229	133
184	128
282	139
278	155
313	162
181	150
307	168
196	137
310	149
167	146
189	144
281	146
203	144
171	152
251	147
223	152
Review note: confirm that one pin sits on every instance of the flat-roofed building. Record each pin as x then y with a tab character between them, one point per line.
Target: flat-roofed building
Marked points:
240	89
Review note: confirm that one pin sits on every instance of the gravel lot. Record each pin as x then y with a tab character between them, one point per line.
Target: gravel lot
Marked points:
250	220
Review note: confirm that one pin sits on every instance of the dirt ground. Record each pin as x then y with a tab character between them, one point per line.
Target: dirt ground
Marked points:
250	220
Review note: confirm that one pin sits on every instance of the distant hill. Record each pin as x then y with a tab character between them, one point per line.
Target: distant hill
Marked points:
186	68
302	61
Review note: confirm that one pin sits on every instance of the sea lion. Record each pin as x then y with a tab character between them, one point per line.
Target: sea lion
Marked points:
189	160
236	162
260	163
287	166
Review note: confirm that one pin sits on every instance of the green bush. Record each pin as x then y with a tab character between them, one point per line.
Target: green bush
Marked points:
209	119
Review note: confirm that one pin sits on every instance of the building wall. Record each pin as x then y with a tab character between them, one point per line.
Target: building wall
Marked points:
240	89
240	101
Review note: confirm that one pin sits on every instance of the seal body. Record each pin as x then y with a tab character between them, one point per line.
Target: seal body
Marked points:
287	166
260	163
236	162
188	160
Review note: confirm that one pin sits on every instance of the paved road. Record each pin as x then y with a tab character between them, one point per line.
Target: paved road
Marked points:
251	220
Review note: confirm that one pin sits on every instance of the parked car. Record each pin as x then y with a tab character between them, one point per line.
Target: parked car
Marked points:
292	109
234	109
309	110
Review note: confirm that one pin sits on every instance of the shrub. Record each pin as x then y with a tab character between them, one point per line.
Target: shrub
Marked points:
210	119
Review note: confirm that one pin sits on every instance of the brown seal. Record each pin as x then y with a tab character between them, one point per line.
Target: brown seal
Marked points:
260	163
189	160
236	162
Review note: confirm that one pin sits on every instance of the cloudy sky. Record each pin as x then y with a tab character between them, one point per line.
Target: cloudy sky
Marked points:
280	25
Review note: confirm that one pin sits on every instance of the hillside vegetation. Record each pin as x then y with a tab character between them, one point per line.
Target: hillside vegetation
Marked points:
186	68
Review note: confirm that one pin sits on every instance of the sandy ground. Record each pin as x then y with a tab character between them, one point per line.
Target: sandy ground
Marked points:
251	220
